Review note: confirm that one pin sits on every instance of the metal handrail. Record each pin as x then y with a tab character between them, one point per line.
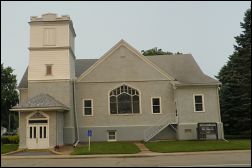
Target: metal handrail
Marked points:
169	118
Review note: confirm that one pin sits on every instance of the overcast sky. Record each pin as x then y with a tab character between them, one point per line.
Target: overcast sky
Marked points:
204	29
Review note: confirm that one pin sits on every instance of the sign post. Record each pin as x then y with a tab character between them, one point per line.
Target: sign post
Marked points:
89	134
89	143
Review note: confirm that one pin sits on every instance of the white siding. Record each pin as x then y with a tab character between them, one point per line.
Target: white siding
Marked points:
59	60
61	34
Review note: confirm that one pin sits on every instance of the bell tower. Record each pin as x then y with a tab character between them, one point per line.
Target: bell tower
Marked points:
51	69
51	55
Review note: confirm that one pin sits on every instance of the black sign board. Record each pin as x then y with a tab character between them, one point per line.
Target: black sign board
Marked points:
205	129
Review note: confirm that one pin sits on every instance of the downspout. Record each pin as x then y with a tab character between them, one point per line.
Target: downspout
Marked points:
19	98
218	101
176	103
57	129
76	121
176	109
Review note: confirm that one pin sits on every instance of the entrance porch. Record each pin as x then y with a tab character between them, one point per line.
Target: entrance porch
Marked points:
41	122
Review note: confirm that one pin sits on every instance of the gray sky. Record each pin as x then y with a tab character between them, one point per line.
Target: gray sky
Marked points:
204	29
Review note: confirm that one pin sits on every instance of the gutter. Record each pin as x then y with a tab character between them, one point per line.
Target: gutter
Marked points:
76	121
199	84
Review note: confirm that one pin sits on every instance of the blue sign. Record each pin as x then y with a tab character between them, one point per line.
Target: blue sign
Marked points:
89	133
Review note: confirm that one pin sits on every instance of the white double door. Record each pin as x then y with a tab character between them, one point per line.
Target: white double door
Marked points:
37	136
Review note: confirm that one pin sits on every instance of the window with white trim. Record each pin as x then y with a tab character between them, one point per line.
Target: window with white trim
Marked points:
111	135
156	106
124	100
87	107
198	103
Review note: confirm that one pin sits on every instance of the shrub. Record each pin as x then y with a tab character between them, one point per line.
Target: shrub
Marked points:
10	139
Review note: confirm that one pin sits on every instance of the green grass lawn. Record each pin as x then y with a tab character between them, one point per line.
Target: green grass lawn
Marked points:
5	148
192	146
107	148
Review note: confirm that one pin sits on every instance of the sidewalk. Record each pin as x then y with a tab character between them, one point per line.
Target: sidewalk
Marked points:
150	154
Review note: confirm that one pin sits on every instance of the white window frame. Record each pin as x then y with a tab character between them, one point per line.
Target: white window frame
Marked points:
83	107
160	106
111	140
203	103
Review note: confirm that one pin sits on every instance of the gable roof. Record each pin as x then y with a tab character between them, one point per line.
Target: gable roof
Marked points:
132	49
41	101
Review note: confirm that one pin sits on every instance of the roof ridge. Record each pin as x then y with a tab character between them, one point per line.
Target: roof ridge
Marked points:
169	55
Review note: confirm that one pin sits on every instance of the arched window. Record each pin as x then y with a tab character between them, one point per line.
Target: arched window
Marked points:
124	100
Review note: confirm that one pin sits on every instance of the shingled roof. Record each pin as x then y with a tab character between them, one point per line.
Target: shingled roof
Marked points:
182	67
41	101
81	65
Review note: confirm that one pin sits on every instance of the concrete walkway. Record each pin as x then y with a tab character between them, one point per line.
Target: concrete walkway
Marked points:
65	150
143	148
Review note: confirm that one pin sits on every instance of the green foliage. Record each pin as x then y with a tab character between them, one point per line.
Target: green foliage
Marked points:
6	148
9	97
107	148
235	76
10	139
193	146
156	51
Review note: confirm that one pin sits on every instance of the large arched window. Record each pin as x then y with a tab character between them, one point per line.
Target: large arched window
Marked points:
124	100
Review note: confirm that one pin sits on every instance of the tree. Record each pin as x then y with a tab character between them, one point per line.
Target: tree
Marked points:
156	51
9	97
235	76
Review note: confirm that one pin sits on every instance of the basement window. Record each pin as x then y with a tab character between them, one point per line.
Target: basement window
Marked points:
188	130
111	135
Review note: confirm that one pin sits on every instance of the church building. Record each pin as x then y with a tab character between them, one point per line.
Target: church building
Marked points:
122	96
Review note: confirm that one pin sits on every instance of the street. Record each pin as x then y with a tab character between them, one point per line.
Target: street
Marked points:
224	159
